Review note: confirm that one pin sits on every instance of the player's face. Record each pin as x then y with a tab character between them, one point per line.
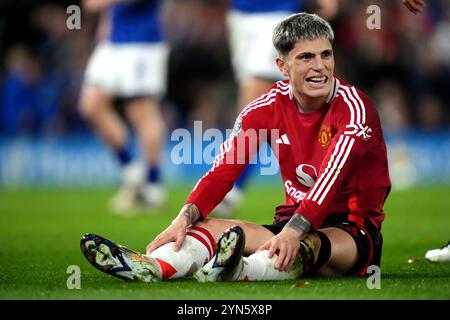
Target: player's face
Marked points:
310	67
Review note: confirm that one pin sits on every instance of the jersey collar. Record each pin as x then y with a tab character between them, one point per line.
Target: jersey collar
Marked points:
334	90
331	95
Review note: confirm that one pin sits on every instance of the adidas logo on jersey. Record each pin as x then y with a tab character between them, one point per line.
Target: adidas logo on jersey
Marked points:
283	140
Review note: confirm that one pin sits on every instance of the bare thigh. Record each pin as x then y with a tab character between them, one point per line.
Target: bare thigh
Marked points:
97	108
94	101
344	253
145	116
255	235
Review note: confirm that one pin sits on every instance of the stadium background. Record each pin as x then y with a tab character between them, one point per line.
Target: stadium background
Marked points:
56	177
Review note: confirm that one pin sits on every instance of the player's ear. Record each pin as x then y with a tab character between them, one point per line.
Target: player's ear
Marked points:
282	66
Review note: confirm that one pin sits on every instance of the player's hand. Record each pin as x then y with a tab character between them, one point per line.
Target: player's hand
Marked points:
414	5
175	232
328	9
286	245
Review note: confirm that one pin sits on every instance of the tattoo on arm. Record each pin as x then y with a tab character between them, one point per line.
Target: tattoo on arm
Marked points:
190	212
299	223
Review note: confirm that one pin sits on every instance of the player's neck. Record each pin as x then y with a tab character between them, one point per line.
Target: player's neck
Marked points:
305	105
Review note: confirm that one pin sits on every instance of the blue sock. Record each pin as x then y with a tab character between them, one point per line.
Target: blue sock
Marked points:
153	174
124	156
240	183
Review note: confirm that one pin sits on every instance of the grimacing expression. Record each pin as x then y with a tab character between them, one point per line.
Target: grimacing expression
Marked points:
310	67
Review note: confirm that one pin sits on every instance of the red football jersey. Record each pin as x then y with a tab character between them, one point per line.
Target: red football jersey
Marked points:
332	161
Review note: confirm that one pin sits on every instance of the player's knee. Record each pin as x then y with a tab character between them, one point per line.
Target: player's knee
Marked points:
324	252
143	112
315	253
91	102
336	256
86	107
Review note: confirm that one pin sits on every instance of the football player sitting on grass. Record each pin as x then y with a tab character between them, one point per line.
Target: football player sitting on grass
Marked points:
328	140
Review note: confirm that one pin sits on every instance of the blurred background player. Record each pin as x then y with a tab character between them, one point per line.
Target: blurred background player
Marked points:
442	254
250	25
129	66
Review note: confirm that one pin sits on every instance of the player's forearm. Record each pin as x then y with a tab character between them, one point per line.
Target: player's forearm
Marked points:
189	213
300	224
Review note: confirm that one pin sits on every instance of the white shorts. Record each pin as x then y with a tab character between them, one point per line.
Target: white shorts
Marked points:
252	52
128	70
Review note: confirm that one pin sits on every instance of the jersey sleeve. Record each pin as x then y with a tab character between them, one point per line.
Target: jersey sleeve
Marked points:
234	154
357	126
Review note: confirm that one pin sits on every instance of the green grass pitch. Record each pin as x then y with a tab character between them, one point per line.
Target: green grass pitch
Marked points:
40	232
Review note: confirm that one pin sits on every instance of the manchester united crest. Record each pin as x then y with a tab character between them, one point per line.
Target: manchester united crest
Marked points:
324	136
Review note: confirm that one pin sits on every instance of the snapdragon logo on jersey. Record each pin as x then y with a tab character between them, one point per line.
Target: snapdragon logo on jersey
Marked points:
211	147
306	175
